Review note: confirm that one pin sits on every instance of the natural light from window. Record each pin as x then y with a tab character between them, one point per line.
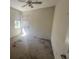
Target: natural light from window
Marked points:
17	24
23	32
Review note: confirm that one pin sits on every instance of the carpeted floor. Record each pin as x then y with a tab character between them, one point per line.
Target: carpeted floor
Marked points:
30	48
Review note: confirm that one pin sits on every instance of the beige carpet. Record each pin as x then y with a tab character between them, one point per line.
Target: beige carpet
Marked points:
31	48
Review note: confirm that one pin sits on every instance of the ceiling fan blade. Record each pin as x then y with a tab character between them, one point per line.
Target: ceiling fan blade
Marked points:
24	5
36	2
21	0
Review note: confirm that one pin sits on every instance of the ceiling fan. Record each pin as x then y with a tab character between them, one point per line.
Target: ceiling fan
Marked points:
30	3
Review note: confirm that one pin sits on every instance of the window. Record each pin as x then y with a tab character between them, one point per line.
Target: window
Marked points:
17	24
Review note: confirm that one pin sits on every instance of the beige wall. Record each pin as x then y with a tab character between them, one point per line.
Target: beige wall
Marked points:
67	43
14	15
59	28
39	22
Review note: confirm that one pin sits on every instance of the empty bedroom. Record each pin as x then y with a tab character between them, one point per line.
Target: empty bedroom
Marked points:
39	29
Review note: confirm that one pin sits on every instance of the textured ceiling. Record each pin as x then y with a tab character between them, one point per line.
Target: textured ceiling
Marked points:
18	5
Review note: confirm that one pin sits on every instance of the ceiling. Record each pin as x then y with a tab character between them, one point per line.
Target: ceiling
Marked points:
18	5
